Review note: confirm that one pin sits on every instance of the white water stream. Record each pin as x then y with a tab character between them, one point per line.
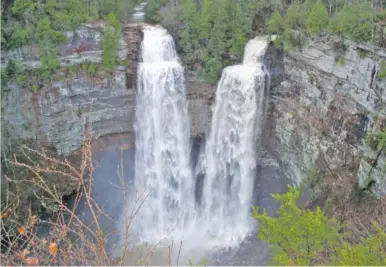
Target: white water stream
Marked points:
222	216
163	173
229	162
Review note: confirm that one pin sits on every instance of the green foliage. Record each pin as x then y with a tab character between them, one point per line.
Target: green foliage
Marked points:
121	8
376	140
77	13
353	24
317	18
92	68
20	7
71	71
113	20
297	236
110	42
44	23
12	33
152	10
294	18
9	73
207	18
204	262
190	36
353	19
24	21
340	60
210	33
313	181
111	37
368	252
381	74
125	63
305	237
48	38
214	33
276	23
288	28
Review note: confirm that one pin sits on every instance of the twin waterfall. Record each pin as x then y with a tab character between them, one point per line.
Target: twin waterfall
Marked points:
164	177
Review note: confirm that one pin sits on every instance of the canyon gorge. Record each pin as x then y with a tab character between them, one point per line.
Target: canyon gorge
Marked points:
267	121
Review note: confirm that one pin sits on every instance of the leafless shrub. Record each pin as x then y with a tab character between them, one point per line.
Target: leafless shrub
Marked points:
70	240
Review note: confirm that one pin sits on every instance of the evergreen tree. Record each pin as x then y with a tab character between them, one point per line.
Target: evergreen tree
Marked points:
109	48
190	35
237	33
317	19
276	23
207	18
306	237
294	18
152	11
369	251
353	24
297	236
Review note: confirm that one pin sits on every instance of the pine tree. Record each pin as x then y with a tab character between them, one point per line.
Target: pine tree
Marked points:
297	236
306	237
109	48
317	19
206	18
190	35
276	24
369	251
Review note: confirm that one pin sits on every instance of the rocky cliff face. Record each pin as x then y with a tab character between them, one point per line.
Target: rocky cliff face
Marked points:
324	101
55	115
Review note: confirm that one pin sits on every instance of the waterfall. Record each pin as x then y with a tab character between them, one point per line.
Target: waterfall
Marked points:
163	174
231	150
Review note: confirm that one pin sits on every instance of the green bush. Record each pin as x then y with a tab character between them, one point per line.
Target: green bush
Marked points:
381	74
376	140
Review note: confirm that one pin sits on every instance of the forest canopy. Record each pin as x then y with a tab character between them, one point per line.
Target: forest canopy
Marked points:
212	34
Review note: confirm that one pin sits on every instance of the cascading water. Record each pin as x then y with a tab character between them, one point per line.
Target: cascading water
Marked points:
230	155
163	174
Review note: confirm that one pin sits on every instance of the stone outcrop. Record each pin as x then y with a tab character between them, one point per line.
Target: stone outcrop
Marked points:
132	33
83	44
324	101
55	115
200	97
